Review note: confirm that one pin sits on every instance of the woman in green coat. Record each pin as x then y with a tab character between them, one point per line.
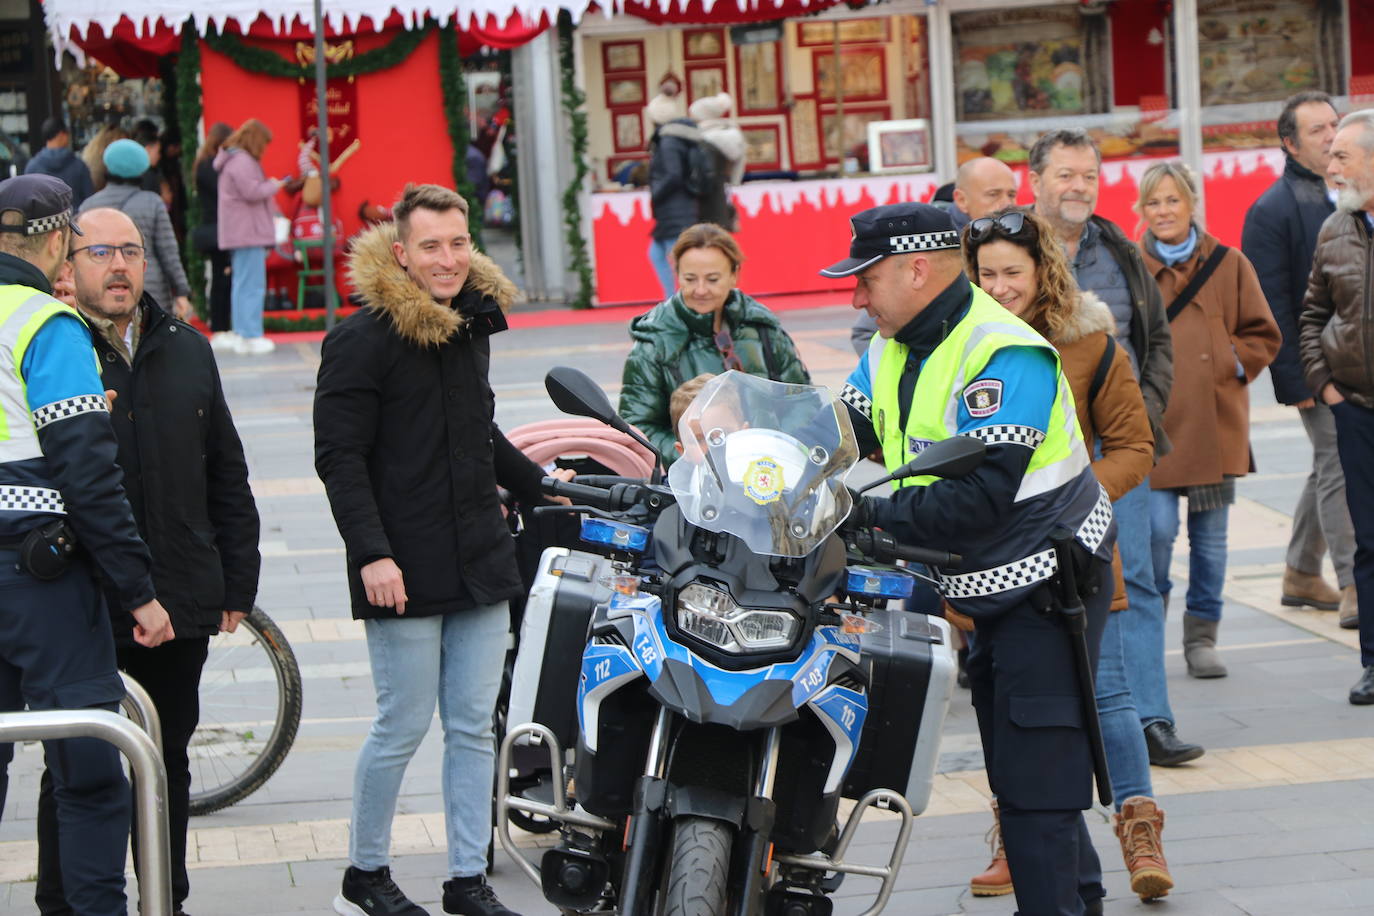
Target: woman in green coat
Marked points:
706	326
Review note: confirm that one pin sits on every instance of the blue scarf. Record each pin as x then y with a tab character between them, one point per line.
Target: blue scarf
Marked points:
1177	253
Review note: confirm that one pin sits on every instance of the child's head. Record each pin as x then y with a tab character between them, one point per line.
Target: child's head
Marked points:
683	396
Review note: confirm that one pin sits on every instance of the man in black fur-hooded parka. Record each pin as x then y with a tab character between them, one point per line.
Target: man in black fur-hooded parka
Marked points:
410	455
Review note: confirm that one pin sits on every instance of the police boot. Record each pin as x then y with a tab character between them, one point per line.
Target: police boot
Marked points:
1139	826
1200	647
996	878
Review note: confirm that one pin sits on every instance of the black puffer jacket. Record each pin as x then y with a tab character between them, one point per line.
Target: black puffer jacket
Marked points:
184	474
405	437
674	205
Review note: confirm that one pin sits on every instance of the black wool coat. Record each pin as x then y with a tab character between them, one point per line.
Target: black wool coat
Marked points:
406	440
184	474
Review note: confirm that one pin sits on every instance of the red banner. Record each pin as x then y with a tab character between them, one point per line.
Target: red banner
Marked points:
342	102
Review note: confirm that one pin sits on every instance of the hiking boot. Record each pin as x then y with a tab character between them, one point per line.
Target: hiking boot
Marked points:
995	880
473	897
373	893
1305	589
1350	609
1139	826
1166	750
1200	647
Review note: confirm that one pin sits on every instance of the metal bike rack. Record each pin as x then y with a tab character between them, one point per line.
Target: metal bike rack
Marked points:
150	785
139	707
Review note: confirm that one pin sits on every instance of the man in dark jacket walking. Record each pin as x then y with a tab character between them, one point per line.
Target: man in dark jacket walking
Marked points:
57	159
1065	167
1334	332
410	455
187	482
1279	237
674	197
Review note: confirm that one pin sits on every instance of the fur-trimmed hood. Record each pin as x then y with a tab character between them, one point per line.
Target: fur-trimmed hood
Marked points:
1090	315
384	287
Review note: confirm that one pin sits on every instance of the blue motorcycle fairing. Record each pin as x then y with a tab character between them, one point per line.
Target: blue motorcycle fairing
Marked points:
605	666
842	711
808	673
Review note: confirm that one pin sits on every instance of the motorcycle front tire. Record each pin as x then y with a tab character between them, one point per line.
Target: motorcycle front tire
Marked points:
699	868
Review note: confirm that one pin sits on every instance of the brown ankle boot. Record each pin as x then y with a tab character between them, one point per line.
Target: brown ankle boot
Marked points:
1139	826
996	878
1300	588
1350	609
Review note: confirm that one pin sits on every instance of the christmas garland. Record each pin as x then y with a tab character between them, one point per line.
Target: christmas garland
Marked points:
188	120
573	100
455	92
269	63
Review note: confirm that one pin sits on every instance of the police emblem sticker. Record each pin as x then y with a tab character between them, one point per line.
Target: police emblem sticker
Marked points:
983	398
763	481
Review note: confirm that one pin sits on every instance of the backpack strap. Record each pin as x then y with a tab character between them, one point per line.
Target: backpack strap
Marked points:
1104	365
1199	280
766	341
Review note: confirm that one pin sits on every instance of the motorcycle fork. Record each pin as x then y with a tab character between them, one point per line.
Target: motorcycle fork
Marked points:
751	861
645	838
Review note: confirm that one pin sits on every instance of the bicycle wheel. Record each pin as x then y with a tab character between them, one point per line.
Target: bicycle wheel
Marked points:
250	708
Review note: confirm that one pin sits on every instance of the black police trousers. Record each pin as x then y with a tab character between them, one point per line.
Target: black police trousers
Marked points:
56	652
1030	716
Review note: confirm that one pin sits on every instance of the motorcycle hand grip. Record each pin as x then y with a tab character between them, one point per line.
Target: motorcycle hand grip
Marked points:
929	557
606	481
578	493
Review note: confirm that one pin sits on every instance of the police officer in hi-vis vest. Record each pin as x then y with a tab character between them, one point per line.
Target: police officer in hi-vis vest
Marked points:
949	360
63	517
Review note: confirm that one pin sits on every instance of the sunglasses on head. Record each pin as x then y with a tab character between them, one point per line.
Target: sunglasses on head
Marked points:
1011	224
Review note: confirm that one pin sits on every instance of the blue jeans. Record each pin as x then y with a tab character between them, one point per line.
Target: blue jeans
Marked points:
456	660
658	256
1128	759
1142	624
1206	551
247	289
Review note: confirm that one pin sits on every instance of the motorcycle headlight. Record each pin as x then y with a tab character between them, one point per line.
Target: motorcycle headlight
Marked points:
712	616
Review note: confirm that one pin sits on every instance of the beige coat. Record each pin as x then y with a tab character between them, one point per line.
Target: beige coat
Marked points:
1228	322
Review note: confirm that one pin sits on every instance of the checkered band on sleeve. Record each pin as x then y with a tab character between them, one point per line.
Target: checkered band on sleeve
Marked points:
31	499
857	399
1027	571
46	223
1094	527
925	241
69	407
1028	436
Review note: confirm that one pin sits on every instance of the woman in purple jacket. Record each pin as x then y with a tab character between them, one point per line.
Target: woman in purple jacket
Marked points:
245	228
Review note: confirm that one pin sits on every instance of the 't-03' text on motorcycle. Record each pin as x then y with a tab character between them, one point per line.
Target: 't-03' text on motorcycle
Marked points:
725	674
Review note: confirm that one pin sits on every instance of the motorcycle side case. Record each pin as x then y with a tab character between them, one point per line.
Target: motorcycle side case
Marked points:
548	663
911	668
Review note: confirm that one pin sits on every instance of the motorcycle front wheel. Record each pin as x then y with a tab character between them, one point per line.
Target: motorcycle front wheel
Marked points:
698	869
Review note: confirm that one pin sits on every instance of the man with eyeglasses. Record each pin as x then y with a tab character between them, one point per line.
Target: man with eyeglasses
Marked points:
63	515
187	481
948	360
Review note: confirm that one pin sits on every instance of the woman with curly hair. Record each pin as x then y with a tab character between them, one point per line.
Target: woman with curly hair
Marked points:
1015	257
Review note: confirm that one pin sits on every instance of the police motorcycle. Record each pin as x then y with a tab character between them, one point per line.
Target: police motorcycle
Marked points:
724	673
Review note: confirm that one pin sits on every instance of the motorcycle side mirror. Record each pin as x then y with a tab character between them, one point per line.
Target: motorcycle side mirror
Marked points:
573	392
954	457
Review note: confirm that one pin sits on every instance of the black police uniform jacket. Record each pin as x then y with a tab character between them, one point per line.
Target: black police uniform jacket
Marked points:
184	474
406	440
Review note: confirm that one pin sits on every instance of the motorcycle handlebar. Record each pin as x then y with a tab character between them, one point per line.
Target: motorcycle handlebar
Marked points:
884	548
929	557
578	493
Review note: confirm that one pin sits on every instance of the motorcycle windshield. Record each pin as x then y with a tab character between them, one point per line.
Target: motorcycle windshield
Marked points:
766	462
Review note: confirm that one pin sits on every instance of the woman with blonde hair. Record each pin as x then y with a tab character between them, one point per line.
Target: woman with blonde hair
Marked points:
94	153
1016	258
1224	336
246	229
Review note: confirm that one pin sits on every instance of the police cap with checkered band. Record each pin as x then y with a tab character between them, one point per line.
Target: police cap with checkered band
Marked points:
881	232
44	202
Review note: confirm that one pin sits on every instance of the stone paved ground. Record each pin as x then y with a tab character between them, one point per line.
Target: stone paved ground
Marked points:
1277	818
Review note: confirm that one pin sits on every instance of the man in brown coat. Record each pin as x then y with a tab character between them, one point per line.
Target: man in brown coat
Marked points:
1335	330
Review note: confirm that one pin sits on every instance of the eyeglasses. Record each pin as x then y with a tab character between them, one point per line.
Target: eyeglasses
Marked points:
101	254
1010	223
726	345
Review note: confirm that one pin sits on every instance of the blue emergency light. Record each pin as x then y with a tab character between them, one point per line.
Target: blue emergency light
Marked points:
619	535
875	582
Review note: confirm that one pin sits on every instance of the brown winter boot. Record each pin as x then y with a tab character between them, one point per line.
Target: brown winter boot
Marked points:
996	878
1350	609
1139	826
1300	588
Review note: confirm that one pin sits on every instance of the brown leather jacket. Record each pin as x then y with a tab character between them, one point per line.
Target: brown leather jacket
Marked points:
1336	329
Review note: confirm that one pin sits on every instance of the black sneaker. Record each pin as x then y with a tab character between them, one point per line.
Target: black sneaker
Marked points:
373	893
473	897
